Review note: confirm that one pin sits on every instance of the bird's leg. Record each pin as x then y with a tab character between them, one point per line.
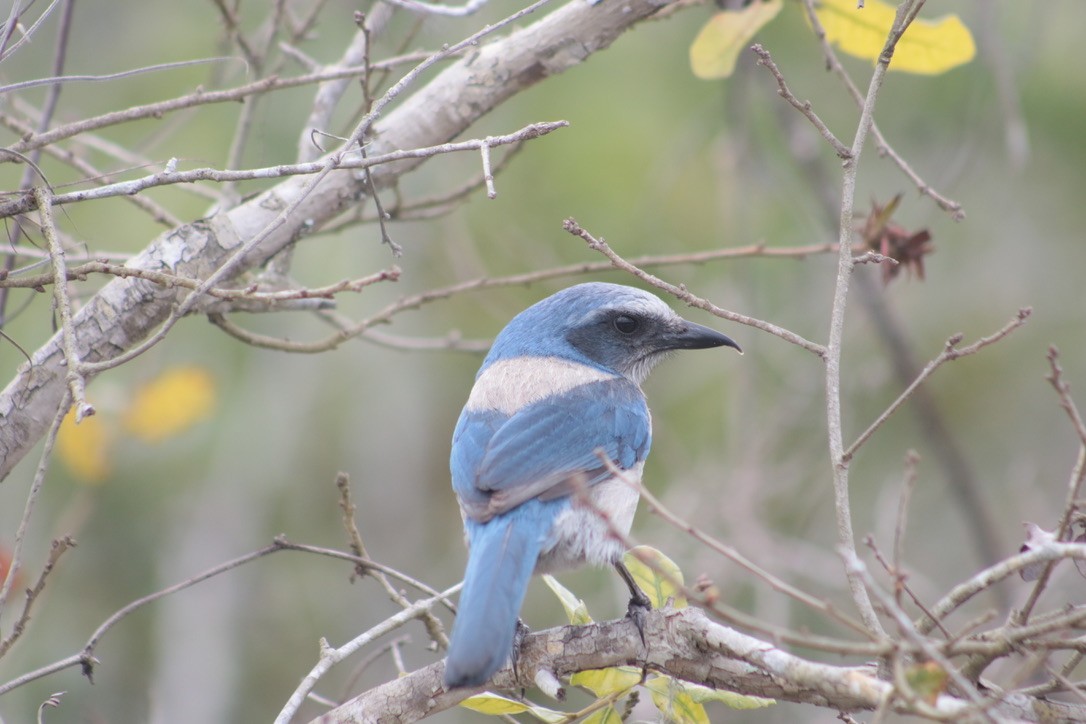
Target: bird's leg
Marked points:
518	639
639	603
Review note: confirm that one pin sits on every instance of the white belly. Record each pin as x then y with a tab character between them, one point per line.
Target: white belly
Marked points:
581	536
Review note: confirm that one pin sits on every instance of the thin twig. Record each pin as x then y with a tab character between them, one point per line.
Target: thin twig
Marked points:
488	175
908	631
901	581
59	547
226	269
249	294
908	485
709	599
27	32
883	148
821	605
468	8
966	590
681	293
76	382
950	352
845	266
170	177
348	329
32	499
1021	615
382	217
52	97
367	563
804	107
67	79
158	212
330	657
1074	485
201	98
1063	390
433	625
85	658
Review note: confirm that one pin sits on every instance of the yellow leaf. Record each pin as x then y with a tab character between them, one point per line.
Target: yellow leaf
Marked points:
84	448
716	48
576	611
606	715
674	703
604	682
656	586
928	47
170	404
702	694
494	705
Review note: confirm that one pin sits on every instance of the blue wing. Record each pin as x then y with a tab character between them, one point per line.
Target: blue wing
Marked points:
545	449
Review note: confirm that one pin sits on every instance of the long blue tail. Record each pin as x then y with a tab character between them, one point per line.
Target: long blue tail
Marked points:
501	558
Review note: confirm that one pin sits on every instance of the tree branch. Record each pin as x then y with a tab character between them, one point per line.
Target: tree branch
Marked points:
682	643
127	311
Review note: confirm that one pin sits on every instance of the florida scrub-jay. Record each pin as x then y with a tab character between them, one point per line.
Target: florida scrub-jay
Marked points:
562	380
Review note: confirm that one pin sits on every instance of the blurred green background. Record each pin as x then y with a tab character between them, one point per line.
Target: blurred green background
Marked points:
655	161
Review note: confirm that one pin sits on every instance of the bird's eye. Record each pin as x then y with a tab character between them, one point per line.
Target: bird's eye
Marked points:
625	324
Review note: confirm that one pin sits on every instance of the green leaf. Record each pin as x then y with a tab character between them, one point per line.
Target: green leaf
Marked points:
657	587
494	705
717	45
604	682
576	611
929	680
928	47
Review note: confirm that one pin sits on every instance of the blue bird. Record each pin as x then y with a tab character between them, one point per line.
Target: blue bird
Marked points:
562	380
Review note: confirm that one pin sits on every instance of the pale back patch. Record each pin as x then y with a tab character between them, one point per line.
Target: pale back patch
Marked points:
509	385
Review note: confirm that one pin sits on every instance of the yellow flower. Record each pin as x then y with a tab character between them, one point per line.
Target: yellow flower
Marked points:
170	404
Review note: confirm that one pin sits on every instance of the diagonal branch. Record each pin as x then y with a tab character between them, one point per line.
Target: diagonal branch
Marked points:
126	311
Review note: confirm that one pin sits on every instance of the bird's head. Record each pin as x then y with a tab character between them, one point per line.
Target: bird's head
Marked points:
615	327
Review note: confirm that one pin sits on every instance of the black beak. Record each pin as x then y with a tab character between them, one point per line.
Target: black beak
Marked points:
695	336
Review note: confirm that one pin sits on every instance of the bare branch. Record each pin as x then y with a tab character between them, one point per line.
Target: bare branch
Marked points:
433	625
67	79
733	554
804	107
86	659
75	380
169	177
686	645
991	575
909	632
329	657
950	352
199	98
681	293
468	8
348	329
58	548
884	149
32	499
845	265
1063	389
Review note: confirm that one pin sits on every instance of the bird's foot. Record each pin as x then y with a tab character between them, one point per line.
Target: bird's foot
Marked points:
636	611
519	635
639	602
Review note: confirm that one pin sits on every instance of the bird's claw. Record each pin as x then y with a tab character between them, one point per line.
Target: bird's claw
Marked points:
519	635
636	611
